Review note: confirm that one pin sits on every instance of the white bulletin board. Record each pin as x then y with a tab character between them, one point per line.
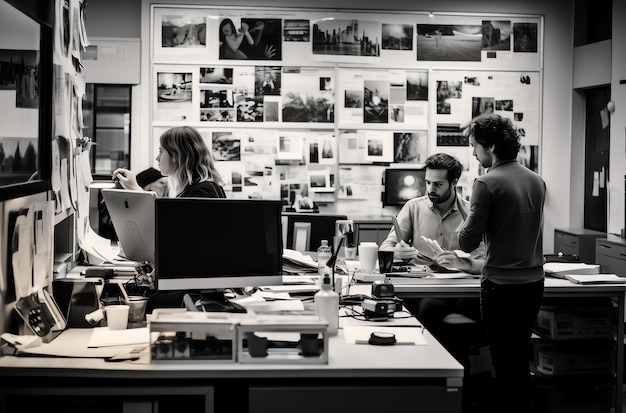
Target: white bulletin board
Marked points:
313	98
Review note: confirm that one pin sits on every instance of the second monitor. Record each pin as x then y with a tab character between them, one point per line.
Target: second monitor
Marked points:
208	245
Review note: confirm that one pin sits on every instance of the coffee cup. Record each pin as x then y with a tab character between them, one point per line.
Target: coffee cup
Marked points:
368	254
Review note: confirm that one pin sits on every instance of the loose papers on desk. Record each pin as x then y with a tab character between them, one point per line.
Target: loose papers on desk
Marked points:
559	269
104	337
438	278
77	342
295	262
595	279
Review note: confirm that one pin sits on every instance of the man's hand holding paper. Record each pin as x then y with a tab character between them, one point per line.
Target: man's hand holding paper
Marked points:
403	251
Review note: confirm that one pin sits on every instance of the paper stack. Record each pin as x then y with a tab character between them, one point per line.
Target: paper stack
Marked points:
560	269
595	279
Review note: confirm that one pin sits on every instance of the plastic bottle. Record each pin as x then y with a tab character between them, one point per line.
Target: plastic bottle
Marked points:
323	255
327	306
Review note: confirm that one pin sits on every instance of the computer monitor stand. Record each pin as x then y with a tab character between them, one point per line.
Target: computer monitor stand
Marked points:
212	301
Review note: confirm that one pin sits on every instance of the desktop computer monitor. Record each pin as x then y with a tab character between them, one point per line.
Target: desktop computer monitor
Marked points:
402	184
210	244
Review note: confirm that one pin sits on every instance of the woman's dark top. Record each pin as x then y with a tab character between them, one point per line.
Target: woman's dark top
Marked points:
205	189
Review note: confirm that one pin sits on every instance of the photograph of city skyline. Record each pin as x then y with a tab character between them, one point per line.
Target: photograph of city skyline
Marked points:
347	37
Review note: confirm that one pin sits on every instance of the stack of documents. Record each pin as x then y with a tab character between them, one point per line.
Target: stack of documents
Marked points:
560	269
295	262
595	279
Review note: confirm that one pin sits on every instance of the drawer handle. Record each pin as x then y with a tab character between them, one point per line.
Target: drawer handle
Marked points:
604	246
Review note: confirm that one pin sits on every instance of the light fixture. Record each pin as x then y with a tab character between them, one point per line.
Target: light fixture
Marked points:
610	106
431	14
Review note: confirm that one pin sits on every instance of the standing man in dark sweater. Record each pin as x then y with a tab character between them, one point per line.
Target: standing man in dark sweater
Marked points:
507	213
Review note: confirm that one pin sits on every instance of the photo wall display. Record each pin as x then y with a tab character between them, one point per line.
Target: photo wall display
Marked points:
462	95
308	37
382	97
318	103
252	161
363	147
262	94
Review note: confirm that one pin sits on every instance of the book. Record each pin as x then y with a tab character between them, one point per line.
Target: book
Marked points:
595	279
560	269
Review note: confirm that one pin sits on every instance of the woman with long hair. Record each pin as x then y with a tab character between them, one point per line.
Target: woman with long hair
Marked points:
187	161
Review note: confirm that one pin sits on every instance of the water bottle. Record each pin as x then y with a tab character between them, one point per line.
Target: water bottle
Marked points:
327	306
323	255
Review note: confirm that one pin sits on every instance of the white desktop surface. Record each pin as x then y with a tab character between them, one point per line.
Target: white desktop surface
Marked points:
345	360
472	286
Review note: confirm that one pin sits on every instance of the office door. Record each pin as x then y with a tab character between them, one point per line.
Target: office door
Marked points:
597	140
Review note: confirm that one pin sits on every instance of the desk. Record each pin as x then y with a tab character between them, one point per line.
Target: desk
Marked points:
360	378
554	289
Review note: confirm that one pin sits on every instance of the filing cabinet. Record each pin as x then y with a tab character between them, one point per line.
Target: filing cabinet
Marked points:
611	255
577	241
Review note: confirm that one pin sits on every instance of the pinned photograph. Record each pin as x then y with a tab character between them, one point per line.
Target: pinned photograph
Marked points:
528	156
353	99
376	99
226	147
174	87
18	159
417	86
347	37
14	65
496	35
186	30
267	80
443	96
397	36
296	30
258	39
482	105
449	42
319	181
211	98
379	146
409	147
249	108
220	75
525	37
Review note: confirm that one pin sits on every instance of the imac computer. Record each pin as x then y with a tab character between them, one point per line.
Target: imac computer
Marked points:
208	245
132	214
402	184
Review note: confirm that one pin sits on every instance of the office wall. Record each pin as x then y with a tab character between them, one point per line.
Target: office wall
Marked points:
617	161
113	18
557	76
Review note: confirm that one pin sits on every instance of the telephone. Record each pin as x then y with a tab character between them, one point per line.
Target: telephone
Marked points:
41	313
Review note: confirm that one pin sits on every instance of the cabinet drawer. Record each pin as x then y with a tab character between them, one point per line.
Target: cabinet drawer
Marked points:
611	265
566	249
611	250
565	239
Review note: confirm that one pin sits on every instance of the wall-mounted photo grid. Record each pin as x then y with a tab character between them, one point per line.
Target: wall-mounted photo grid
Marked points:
320	103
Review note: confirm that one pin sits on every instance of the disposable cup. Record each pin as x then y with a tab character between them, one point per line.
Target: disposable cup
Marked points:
117	316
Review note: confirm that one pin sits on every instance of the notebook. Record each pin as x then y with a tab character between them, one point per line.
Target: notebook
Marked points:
132	214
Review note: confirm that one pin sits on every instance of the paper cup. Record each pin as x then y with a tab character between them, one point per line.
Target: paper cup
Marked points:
117	316
368	255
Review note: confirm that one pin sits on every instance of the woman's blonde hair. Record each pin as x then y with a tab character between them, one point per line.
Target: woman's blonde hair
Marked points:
190	158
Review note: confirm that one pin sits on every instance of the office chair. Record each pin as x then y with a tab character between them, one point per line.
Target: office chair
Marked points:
306	231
